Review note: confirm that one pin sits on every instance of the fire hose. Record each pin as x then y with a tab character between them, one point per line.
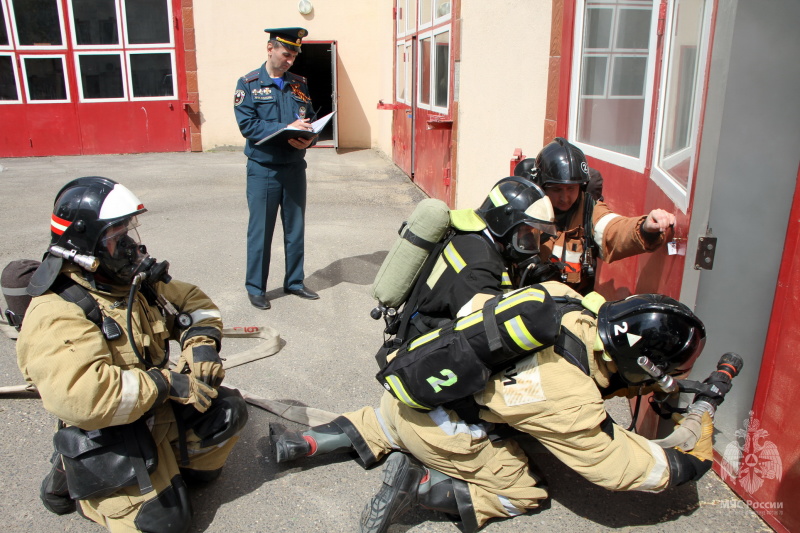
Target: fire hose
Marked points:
708	396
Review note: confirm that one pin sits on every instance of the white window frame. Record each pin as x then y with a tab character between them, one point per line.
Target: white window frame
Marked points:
129	73
20	47
16	79
24	76
674	190
120	35
408	51
124	70
638	163
432	36
153	46
400	44
409	17
7	21
443	18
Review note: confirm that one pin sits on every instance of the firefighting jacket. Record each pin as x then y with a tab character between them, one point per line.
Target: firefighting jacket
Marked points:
560	404
616	237
90	382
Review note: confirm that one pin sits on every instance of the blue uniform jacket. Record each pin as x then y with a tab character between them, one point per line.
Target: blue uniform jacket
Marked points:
262	108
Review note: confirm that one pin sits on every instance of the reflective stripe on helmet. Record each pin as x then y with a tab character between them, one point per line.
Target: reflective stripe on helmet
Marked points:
120	202
58	225
497	197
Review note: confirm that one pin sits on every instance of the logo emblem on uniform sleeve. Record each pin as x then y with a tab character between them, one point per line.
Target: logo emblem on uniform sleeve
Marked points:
238	97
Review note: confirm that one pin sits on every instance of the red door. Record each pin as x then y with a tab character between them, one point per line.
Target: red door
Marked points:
91	77
423	109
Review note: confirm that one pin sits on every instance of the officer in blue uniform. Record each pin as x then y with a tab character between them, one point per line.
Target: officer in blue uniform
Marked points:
267	100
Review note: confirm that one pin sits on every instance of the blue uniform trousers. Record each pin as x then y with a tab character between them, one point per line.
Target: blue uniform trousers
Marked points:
270	187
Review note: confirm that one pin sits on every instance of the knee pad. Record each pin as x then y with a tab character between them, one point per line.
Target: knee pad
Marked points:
169	512
225	418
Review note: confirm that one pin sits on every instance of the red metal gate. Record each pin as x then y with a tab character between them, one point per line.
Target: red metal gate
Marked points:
92	77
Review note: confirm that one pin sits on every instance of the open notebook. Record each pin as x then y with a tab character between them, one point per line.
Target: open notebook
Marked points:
283	135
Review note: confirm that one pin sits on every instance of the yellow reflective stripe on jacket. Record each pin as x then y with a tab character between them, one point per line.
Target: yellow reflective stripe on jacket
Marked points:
528	295
400	392
520	334
454	258
505	280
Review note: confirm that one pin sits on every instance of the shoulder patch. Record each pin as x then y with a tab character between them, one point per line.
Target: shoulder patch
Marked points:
251	76
298	77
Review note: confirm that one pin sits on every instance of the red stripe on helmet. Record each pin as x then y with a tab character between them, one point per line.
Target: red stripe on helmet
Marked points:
58	225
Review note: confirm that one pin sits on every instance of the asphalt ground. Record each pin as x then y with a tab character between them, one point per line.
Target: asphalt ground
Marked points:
197	219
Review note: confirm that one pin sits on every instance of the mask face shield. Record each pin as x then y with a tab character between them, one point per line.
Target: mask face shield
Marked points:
526	239
120	251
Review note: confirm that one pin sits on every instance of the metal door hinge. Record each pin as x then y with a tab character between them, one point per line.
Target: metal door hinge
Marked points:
706	247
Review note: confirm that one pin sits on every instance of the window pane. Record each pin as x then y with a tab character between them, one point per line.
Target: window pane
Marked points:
101	76
613	75
681	82
594	76
148	21
37	22
400	69
45	77
442	70
598	28
424	11
411	17
633	30
3	30
401	13
95	21
151	75
8	83
409	96
442	8
425	71
628	76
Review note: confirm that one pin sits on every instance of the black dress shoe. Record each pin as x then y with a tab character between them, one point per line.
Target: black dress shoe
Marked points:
303	292
259	300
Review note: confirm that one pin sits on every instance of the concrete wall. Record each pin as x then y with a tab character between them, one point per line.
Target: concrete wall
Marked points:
231	42
502	90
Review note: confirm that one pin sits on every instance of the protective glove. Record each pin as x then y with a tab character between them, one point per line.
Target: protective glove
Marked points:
704	449
182	388
204	363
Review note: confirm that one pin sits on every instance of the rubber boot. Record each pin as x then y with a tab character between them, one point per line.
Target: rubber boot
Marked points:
401	480
54	492
440	492
291	445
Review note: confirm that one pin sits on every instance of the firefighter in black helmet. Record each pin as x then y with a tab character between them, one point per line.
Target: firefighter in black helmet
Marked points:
587	228
463	469
108	377
488	247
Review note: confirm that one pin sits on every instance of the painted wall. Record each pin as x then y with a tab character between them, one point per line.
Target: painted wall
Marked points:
501	106
231	42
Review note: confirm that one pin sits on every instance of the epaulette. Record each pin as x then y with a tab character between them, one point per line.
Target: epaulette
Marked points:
297	77
251	76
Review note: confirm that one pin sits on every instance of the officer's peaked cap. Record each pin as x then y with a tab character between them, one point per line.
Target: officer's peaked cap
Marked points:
291	38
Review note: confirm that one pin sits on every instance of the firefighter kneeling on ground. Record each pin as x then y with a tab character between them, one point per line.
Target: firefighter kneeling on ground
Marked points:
441	462
132	433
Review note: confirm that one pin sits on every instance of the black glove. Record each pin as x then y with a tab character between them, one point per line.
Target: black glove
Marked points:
182	388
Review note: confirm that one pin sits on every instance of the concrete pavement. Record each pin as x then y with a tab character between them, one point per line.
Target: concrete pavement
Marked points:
197	220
